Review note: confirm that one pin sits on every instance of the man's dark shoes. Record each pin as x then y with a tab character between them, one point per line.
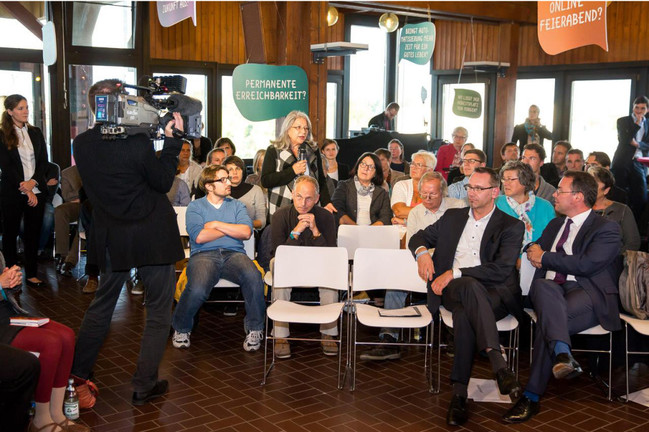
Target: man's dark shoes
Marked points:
508	384
383	352
457	412
160	388
524	410
566	367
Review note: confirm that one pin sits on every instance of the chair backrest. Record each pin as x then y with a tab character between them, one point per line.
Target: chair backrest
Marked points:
352	237
180	218
310	266
181	212
526	273
386	269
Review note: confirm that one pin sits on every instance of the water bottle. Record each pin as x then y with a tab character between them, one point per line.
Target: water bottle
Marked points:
71	402
302	156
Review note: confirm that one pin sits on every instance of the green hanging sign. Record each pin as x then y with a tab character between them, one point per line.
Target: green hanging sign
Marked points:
467	103
416	42
264	92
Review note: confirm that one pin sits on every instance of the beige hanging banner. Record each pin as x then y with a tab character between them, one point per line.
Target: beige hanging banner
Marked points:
564	25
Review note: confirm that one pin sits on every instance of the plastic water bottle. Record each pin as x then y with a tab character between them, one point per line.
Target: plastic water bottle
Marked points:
71	402
302	155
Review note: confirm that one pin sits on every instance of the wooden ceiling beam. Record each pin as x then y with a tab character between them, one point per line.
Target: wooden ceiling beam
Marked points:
490	11
25	17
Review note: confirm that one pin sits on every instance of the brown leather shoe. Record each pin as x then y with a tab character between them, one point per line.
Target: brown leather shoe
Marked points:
91	285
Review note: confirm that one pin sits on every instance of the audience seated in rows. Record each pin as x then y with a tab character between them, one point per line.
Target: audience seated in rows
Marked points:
471	160
575	160
405	194
448	155
390	176
456	173
398	160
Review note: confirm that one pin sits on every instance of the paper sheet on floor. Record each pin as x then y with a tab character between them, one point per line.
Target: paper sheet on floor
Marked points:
482	390
641	397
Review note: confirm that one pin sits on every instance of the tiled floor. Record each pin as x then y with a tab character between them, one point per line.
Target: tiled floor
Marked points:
215	385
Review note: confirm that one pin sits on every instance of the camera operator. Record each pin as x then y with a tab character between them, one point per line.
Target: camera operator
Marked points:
133	225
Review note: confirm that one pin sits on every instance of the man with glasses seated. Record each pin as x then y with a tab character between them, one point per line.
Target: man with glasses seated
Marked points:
434	203
472	275
575	286
217	226
472	159
534	155
449	152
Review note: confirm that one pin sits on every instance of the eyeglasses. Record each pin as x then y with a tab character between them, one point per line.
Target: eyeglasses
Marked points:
509	180
470	188
223	180
559	192
429	196
471	161
366	166
419	165
459	137
301	128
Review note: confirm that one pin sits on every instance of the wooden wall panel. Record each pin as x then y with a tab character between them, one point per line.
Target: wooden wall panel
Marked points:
628	40
452	38
336	33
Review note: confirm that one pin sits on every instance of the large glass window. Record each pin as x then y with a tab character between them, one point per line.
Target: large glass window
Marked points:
367	76
595	106
18	82
196	88
107	24
15	35
82	78
539	92
247	136
450	120
332	109
413	97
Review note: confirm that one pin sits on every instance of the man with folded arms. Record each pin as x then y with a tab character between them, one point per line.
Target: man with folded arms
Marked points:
472	275
575	285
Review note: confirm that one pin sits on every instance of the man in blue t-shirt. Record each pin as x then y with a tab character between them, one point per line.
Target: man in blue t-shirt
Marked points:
217	226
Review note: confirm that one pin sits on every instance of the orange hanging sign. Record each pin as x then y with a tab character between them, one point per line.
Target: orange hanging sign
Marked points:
564	25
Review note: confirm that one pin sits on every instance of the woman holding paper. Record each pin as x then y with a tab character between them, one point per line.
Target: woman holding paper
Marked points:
54	344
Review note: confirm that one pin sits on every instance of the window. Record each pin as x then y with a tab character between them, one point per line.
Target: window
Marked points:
18	82
15	35
107	24
539	92
450	121
413	97
332	110
247	136
367	76
196	88
82	77
594	109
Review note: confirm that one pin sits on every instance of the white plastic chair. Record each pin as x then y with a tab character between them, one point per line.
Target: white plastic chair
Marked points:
371	272
642	327
352	237
307	266
507	324
597	330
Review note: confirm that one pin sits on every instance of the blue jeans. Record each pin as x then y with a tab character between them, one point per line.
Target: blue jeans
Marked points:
204	270
48	226
394	299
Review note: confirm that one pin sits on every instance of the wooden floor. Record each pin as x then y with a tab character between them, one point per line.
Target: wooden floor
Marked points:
215	385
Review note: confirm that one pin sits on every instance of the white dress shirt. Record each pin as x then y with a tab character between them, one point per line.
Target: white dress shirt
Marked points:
27	156
577	222
468	248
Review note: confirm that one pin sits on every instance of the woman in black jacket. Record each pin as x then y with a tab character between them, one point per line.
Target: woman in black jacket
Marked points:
23	161
361	200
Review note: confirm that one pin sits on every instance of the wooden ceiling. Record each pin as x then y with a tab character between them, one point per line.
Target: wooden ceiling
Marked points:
489	11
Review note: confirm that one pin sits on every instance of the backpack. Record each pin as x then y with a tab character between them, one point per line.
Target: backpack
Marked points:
634	284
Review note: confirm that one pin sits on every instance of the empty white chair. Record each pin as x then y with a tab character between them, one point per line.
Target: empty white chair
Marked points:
642	327
307	266
352	237
389	269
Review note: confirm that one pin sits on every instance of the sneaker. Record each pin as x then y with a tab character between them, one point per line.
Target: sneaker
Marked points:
253	340
230	310
282	349
383	352
138	289
503	352
91	285
329	347
180	340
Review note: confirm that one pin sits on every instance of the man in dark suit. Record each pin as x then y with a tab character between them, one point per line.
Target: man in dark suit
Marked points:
633	142
472	275
575	285
133	225
385	120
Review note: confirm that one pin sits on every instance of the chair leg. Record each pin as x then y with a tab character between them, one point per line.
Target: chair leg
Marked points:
626	358
429	351
439	354
354	333
610	365
267	371
340	351
531	339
